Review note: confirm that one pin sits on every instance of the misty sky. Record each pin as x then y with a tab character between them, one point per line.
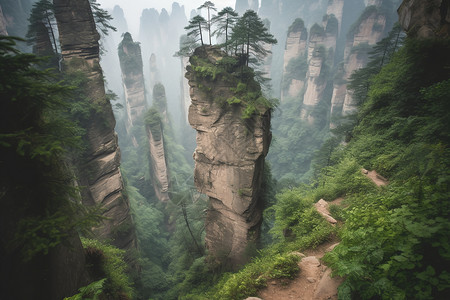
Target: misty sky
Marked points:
133	8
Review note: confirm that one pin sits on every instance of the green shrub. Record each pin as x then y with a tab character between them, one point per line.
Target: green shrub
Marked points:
111	265
254	276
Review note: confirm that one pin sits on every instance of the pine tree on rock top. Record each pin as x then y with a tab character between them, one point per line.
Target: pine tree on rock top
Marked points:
249	36
225	21
209	6
196	24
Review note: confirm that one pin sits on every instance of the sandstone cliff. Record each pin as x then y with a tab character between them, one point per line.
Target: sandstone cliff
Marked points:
99	172
3	30
155	76
233	137
133	81
321	48
336	8
155	120
370	28
184	87
425	19
294	62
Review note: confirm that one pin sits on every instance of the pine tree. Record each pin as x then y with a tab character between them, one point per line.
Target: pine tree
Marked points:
41	28
195	28
225	20
209	6
101	18
251	35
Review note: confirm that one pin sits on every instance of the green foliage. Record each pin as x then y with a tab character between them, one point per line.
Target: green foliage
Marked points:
395	240
394	244
101	18
247	92
295	69
196	24
295	216
42	25
342	179
131	59
37	136
297	26
224	21
91	291
250	35
111	265
316	29
254	275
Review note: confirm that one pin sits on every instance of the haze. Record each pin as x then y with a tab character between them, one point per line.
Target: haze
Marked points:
133	8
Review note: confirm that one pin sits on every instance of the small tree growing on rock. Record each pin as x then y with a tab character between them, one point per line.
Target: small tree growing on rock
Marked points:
196	24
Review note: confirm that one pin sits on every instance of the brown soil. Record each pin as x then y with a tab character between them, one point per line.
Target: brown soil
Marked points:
313	281
376	178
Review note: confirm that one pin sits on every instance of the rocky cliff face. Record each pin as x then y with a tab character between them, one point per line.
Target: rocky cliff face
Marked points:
133	80
425	19
229	160
155	119
3	30
321	48
366	32
99	171
155	76
294	58
184	87
159	34
336	8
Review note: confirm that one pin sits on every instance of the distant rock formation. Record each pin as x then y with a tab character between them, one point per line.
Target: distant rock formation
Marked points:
336	8
155	120
3	30
155	76
229	160
133	81
369	29
425	19
321	48
243	5
158	34
99	170
294	65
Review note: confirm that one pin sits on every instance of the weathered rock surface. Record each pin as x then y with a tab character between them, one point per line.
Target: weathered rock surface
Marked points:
368	30
322	207
99	171
295	49
229	162
336	8
154	77
185	98
3	30
425	19
156	117
133	80
321	48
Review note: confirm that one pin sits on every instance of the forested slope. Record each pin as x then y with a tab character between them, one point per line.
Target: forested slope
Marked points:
394	239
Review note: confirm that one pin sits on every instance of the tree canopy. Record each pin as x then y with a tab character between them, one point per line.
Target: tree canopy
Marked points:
196	24
209	6
225	21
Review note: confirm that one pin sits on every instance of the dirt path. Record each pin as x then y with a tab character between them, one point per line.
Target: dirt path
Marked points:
313	281
375	177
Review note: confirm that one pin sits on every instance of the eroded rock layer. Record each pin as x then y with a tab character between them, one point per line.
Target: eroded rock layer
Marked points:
366	32
229	161
99	172
133	80
425	19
